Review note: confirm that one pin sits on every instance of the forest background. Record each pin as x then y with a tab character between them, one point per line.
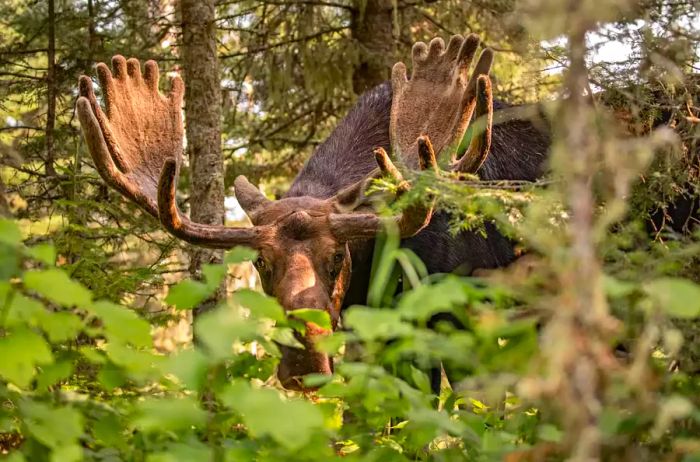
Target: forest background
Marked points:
96	302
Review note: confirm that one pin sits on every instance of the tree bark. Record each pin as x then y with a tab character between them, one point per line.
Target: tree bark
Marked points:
371	26
203	125
51	91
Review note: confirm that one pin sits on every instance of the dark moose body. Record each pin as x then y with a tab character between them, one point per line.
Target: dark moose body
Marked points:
518	152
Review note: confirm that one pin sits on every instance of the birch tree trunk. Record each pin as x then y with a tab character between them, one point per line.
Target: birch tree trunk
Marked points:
203	125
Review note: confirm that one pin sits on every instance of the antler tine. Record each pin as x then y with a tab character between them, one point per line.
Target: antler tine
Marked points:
480	144
387	168
220	237
349	226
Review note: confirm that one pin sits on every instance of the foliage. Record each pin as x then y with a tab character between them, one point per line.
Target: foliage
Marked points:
585	349
81	381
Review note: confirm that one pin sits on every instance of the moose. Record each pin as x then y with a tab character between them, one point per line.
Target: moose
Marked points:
315	243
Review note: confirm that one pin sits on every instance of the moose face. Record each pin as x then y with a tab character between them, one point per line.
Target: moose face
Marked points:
304	265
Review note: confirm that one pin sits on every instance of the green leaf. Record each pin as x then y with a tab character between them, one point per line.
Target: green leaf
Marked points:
67	453
60	326
108	429
290	423
177	452
45	253
259	304
22	310
421	380
374	323
55	285
319	317
213	275
10	233
52	373
678	297
549	432
122	325
53	427
186	295
240	254
218	329
170	414
138	364
21	351
426	300
189	366
617	288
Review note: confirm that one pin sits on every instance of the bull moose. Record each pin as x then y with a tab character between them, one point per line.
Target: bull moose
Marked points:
315	243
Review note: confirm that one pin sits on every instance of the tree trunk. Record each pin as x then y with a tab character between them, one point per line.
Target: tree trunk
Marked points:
51	91
203	125
371	27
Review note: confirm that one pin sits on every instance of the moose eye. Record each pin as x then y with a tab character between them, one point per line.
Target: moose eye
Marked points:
337	264
259	264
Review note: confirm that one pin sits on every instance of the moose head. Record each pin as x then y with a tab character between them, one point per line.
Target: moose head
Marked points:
303	242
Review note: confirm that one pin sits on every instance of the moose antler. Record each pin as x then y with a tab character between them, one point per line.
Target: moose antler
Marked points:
438	102
140	137
366	225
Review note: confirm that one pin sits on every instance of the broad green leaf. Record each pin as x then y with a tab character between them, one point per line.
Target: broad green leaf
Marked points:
23	309
111	376
426	300
54	427
240	254
421	380
548	432
108	429
169	414
259	304
285	336
55	285
138	364
9	262
439	421
213	275
375	324
678	297
189	366
121	324
331	344
319	317
186	295
218	329
52	373
45	253
193	450
60	326
21	351
14	456
67	453
616	288
10	233
290	423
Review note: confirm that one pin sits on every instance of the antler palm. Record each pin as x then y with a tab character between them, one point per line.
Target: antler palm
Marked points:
438	102
140	132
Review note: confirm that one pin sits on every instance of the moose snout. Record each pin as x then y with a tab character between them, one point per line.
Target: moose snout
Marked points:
298	362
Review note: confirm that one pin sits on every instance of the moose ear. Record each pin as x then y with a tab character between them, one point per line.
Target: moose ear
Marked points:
248	195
